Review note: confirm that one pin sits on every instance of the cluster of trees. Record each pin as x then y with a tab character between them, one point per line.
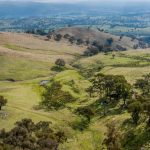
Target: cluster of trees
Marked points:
71	39
36	31
54	97
141	103
139	107
30	136
95	47
110	89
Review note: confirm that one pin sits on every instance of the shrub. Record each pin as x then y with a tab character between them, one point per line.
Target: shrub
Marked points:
86	112
81	124
60	62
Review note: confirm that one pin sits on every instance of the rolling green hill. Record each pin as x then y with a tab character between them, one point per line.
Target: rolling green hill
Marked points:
28	60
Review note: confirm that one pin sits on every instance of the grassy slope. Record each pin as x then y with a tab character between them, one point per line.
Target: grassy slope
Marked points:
132	64
24	95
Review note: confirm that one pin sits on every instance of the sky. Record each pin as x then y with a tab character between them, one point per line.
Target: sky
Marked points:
76	1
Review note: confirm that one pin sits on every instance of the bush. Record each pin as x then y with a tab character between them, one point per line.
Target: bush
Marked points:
57	68
86	112
81	124
60	62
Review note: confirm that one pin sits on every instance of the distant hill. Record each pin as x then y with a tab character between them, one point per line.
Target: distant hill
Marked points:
101	37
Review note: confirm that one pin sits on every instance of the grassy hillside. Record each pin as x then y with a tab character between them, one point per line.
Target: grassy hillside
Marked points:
28	60
132	64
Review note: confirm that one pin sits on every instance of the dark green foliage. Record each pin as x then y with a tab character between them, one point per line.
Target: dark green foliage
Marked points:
136	139
139	107
104	104
54	97
58	68
135	108
28	135
3	102
90	90
144	84
81	124
113	137
146	108
111	87
60	62
86	112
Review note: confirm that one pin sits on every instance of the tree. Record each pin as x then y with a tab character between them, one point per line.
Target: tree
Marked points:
80	41
54	97
144	84
146	108
109	41
3	102
28	135
111	87
57	37
135	108
92	50
90	91
104	103
60	62
113	56
113	137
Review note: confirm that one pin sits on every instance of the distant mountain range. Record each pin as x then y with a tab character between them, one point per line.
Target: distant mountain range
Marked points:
35	9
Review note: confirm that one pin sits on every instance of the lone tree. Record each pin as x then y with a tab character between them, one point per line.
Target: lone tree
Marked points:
113	56
60	62
3	102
